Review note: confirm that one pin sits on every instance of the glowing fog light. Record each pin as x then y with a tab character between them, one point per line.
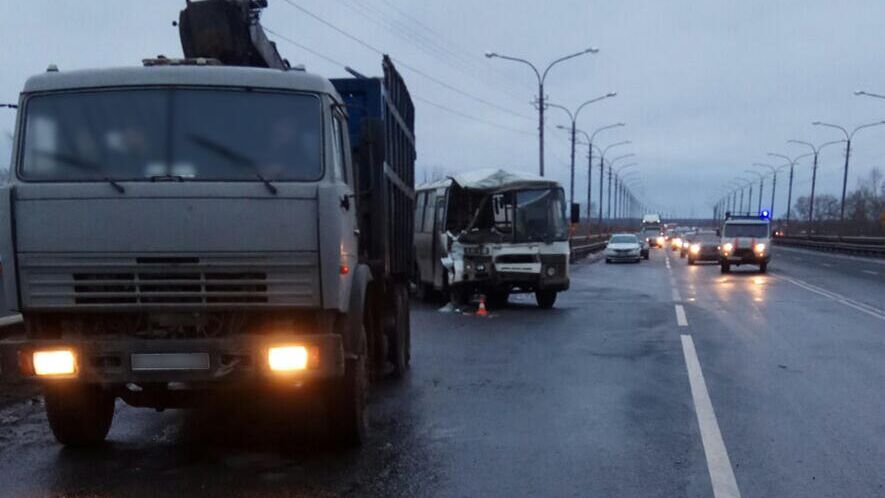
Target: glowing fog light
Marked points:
287	358
51	363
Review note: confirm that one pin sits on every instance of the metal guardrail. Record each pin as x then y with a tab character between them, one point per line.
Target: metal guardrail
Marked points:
867	246
582	245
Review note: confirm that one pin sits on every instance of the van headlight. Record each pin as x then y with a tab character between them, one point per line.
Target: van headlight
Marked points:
695	248
760	248
727	247
551	271
59	362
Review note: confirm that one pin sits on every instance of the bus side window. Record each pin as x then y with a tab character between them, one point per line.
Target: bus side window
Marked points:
441	213
419	210
428	210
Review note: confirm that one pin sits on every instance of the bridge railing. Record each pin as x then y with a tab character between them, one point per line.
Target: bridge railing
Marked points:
867	246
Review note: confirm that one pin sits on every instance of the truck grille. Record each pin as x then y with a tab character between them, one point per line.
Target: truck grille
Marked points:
212	281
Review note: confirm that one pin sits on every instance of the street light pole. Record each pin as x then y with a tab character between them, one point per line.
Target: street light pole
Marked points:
761	186
792	163
573	118
848	138
869	94
602	170
774	171
816	152
590	140
610	166
542	77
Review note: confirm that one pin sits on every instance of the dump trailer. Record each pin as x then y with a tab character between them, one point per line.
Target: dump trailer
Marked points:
221	224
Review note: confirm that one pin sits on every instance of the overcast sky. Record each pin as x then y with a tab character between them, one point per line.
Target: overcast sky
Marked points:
706	87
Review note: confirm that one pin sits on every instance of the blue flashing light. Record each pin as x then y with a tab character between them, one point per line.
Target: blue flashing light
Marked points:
765	214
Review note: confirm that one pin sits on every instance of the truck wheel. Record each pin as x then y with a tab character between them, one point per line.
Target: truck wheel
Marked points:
497	299
458	295
79	414
346	405
546	299
399	352
725	267
763	267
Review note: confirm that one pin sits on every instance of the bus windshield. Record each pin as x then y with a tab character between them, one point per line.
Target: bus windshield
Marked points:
540	215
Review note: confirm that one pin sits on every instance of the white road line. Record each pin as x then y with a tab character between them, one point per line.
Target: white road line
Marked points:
680	316
870	272
718	463
862	307
676	295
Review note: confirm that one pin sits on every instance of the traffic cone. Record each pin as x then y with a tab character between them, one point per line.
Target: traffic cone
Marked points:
482	311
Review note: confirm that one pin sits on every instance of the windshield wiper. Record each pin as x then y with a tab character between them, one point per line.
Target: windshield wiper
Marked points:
234	157
84	165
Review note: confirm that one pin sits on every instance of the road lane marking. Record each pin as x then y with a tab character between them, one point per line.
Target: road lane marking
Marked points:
826	265
718	463
871	272
865	308
680	316
676	295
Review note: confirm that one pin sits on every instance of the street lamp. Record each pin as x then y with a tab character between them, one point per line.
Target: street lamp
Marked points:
611	165
774	170
792	163
869	94
816	153
590	140
761	185
573	117
542	77
848	138
602	153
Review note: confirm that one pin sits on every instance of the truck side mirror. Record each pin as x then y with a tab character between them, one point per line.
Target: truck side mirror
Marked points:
576	213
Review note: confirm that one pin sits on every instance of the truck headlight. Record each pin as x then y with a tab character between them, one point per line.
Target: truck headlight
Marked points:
760	248
287	358
727	247
54	363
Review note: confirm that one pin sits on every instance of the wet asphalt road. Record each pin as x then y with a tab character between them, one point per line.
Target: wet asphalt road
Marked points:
592	398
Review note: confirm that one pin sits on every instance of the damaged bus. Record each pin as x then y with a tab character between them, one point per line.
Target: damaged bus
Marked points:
491	232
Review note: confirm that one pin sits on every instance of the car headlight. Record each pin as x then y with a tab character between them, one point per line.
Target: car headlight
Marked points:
660	241
727	247
695	248
760	248
677	242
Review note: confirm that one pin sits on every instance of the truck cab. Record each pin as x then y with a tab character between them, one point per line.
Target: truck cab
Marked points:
745	239
175	230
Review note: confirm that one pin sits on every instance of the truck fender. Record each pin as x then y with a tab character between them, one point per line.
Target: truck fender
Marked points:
355	342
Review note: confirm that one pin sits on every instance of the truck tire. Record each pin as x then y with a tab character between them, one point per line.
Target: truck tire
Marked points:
458	295
346	405
725	267
79	414
545	299
497	299
400	340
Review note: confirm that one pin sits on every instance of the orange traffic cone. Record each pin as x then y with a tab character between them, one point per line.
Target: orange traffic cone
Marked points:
482	311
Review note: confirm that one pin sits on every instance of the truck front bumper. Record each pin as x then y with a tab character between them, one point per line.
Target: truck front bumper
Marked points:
236	359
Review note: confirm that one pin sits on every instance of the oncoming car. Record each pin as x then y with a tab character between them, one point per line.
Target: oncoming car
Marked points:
623	247
745	240
704	246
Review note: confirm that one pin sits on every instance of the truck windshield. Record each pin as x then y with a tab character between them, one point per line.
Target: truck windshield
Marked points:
540	215
180	133
755	230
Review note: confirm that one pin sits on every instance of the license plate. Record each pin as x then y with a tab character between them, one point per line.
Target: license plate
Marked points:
151	362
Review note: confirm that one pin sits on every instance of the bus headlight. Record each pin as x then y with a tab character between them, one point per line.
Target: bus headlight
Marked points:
760	248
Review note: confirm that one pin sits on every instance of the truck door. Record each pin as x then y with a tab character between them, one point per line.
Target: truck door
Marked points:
347	202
